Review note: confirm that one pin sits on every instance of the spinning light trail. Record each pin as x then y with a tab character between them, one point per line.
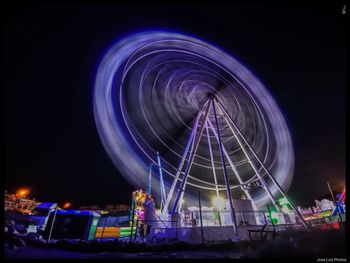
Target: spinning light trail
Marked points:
149	90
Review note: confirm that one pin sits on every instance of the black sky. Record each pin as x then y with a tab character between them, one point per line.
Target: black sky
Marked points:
52	53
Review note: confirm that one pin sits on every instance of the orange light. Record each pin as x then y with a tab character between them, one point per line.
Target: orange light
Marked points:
66	205
22	192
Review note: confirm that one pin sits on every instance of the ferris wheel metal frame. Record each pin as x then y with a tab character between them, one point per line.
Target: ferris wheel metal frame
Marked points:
191	149
202	124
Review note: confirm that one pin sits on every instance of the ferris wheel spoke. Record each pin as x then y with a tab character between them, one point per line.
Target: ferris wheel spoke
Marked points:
151	93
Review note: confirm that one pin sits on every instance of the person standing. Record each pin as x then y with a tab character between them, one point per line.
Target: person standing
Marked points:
149	217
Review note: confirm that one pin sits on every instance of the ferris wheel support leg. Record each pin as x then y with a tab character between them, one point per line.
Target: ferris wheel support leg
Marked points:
150	179
212	160
179	169
190	161
184	187
230	121
233	167
252	164
233	216
181	200
161	181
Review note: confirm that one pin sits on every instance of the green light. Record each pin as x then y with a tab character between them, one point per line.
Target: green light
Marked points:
274	217
283	201
274	221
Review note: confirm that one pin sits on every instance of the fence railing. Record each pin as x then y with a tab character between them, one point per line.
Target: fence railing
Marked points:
168	229
164	230
223	218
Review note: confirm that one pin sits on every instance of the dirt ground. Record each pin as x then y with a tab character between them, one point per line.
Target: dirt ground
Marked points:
49	253
296	244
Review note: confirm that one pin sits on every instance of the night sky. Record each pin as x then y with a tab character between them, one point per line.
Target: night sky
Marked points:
52	53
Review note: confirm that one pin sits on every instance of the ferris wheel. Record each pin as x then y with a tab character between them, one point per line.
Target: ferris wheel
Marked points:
195	112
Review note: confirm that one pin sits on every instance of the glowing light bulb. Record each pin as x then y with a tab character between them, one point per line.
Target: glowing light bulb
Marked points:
219	202
66	205
23	193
